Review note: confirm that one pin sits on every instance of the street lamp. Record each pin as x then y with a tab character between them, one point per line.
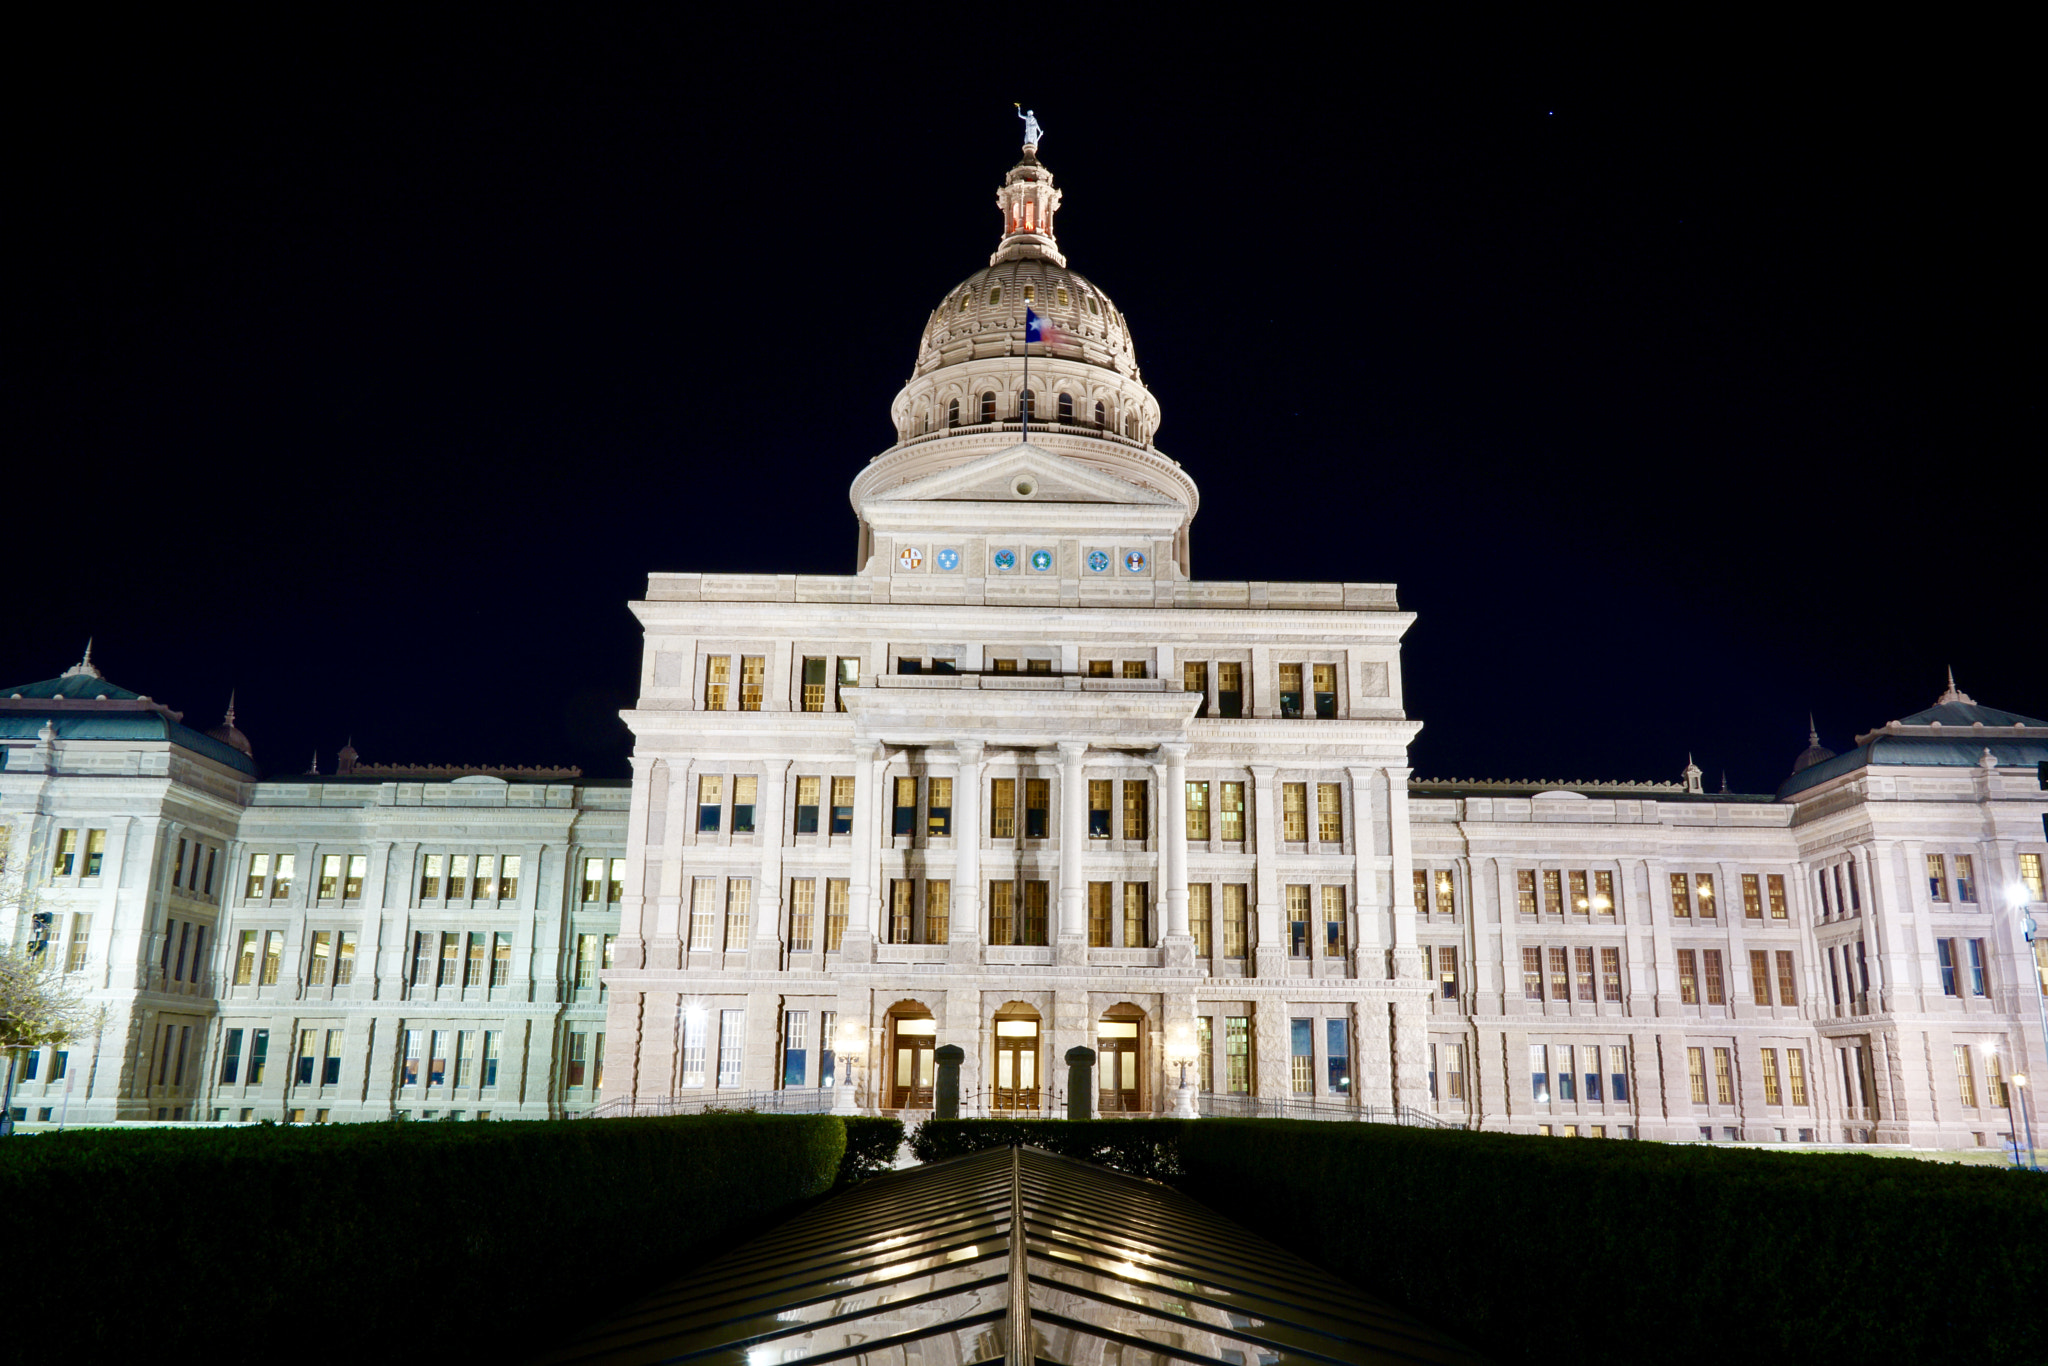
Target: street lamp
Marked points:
2020	894
849	1050
1180	1052
1990	1052
2019	1079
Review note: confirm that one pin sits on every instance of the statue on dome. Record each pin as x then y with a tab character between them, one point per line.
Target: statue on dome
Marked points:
1032	132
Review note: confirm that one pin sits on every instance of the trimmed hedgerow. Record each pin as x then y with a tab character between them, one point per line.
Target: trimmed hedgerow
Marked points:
1541	1249
352	1242
872	1143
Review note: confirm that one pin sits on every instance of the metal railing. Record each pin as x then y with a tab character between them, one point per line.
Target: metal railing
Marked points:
794	1100
1213	1106
1046	1102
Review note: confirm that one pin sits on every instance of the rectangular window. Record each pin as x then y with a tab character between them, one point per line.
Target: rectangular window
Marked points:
1532	974
486	878
1945	955
796	1050
710	803
1446	893
1294	812
807	806
1581	897
1337	1040
1716	994
1200	913
1582	959
1994	1081
309	1057
1230	812
1775	885
1760	976
902	911
586	960
1937	878
409	1062
836	898
1101	801
2030	873
1002	808
1966	1077
803	906
1237	1054
814	684
1795	1073
1454	1070
458	876
717	681
230	1057
1137	904
1230	690
1724	1077
65	861
693	1048
259	1055
753	670
1422	891
1205	1049
1617	1073
1688	977
903	811
745	787
81	941
1788	994
1696	1072
1137	809
1098	915
1966	879
704	913
1101	668
1002	912
1196	804
1301	1057
1681	897
1752	897
1324	676
938	912
316	965
1770	1076
330	1063
1037	808
451	960
430	878
273	957
1195	679
849	677
1297	921
1553	892
1329	813
501	958
245	959
1290	690
258	888
1539	1073
938	813
842	807
1567	1087
1703	893
330	875
508	878
1610	973
1525	891
1035	907
1976	947
1560	974
1134	668
1333	922
489	1075
1447	971
1236	921
732	1038
96	853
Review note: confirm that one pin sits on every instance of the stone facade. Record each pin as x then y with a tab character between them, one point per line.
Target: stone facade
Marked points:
1022	784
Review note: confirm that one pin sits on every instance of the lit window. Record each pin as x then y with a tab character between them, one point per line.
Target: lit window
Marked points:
1715	995
717	681
1137	794
1610	973
1237	1052
501	959
1447	971
938	814
704	913
1091	305
739	913
1696	1073
1200	912
693	1049
1760	976
66	861
273	956
1290	690
1035	906
1688	977
1553	891
508	878
1236	920
1197	807
96	851
836	895
902	910
1137	901
1329	813
1582	959
1775	885
1134	668
317	964
1560	974
842	807
803	904
1301	1057
2030	873
1229	689
814	680
458	876
1230	812
1002	912
1294	812
1937	880
1772	1095
81	941
1703	891
1324	676
938	912
330	877
1724	1077
1059	295
1580	901
1603	893
995	296
1795	1073
1525	891
1532	974
258	888
1002	808
807	805
903	813
753	670
1421	891
1966	880
1788	993
745	787
1333	922
1752	897
486	878
1681	897
1966	1077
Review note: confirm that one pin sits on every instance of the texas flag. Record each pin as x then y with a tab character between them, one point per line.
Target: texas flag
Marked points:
1037	329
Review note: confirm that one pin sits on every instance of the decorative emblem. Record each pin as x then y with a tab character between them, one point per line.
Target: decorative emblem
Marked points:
949	560
1041	561
1135	562
1098	561
910	557
1006	560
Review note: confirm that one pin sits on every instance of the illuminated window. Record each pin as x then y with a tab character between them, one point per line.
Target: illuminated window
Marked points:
1194	678
273	956
96	852
1454	1070
65	861
1200	913
1724	1077
807	790
1134	668
1582	959
1760	976
1236	920
458	876
1525	891
1330	813
1447	971
1752	897
1059	295
1037	808
1966	1077
1230	812
1422	891
1603	893
1333	922
1137	917
1703	892
1098	914
704	913
1681	897
849	677
1532	974
1229	689
710	803
903	812
753	670
1560	974
717	681
739	912
1937	879
1002	811
842	807
938	912
1966	879
995	295
803	910
1290	690
1553	891
81	941
501	957
1301	1057
1294	812
1688	977
1035	908
1775	886
1610	973
1770	1074
1101	801
1580	900
1137	793
1002	915
1696	1073
2030	874
1237	1054
836	896
1297	921
258	888
938	813
1197	807
1716	996
902	911
1795	1073
1324	676
1788	994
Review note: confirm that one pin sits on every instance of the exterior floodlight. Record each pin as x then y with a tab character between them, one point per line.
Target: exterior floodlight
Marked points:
1181	1050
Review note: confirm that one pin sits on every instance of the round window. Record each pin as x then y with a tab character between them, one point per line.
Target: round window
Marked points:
1024	487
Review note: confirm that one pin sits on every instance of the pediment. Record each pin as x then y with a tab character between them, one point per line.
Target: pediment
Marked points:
1052	479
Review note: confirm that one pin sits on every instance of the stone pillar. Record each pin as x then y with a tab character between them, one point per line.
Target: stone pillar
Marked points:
1173	811
669	946
1080	1083
1269	944
1072	939
859	943
1369	916
946	1095
764	954
1407	957
966	928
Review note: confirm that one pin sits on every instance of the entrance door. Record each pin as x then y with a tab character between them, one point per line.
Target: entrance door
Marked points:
1016	1085
911	1085
1116	1061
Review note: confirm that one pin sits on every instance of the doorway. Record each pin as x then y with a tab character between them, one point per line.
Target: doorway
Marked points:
910	1080
1118	1035
1016	1079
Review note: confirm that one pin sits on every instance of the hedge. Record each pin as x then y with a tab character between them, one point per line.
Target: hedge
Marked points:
1149	1147
365	1241
871	1147
1538	1249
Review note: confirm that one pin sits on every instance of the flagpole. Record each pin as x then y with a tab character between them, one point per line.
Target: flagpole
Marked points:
1024	399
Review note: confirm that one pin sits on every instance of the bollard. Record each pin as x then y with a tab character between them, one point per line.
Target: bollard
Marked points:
946	1098
1080	1083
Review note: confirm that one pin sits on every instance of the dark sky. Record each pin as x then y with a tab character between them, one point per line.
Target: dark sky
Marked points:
1683	380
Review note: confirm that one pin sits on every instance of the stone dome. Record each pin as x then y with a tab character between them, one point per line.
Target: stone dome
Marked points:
983	316
1814	753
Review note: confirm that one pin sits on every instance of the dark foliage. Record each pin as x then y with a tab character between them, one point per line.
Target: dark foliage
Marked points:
871	1147
455	1240
1549	1250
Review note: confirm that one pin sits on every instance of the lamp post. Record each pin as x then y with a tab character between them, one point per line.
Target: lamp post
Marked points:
2019	1079
1180	1052
849	1050
2020	894
1990	1052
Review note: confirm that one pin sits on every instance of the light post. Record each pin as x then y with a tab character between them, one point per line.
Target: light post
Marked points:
1180	1052
2019	1079
849	1050
1990	1052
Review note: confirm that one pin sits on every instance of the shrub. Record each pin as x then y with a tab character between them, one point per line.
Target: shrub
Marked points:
871	1147
332	1243
1141	1147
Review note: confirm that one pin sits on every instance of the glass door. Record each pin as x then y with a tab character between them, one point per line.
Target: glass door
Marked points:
1016	1085
911	1084
1116	1062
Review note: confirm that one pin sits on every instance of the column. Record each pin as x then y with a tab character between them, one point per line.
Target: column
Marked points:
859	944
1174	812
1072	939
1407	957
765	953
1369	919
966	931
671	913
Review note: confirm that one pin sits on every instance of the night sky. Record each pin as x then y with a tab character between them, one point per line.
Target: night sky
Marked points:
1683	381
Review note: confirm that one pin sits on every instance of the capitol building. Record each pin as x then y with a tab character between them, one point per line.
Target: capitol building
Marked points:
1020	783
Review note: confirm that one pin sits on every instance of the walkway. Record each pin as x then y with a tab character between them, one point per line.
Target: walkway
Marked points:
921	1268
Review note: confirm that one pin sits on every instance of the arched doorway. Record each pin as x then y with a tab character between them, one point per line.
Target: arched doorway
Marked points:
1119	1042
913	1033
1017	1071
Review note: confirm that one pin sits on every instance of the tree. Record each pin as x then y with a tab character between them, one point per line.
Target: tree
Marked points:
39	1006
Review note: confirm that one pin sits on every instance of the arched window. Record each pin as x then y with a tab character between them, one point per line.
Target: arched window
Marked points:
995	296
1131	425
1066	408
1030	294
952	412
1091	305
988	407
1059	296
1101	413
1027	404
963	301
